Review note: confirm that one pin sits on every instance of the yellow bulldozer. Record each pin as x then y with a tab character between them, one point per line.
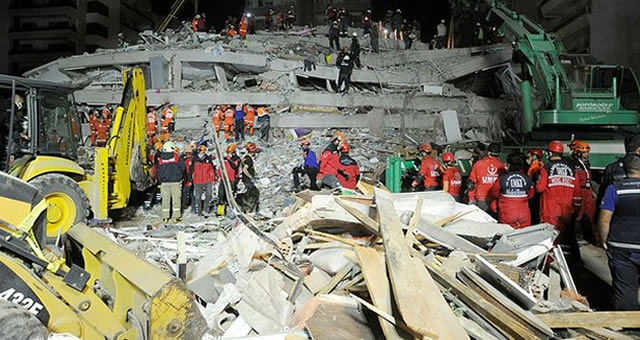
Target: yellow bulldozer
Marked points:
42	142
90	288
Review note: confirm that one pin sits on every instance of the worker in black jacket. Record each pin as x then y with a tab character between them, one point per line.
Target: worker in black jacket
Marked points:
615	171
345	64
334	35
170	175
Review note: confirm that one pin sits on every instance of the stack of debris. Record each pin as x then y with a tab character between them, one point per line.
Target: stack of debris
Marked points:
412	265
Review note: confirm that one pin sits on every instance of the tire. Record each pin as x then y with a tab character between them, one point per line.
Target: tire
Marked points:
68	204
16	323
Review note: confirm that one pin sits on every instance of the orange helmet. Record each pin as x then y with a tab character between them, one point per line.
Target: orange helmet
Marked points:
345	148
251	147
555	146
202	148
339	135
157	146
231	148
448	157
579	146
425	147
536	152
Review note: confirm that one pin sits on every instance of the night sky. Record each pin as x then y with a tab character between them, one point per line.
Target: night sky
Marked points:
428	13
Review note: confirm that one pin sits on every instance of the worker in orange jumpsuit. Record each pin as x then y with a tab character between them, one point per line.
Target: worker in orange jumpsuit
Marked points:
217	116
229	116
514	189
197	24
534	159
430	169
584	204
152	126
483	174
451	177
102	132
557	186
93	127
106	115
243	27
249	119
231	31
167	123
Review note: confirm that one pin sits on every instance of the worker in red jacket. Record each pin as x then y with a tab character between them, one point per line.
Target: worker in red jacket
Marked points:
330	162
584	203
557	186
204	175
348	170
484	174
451	177
430	169
514	189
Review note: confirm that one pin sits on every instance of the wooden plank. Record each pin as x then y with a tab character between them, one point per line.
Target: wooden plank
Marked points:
367	222
336	279
328	317
325	236
375	276
603	334
417	297
510	306
594	319
505	323
409	237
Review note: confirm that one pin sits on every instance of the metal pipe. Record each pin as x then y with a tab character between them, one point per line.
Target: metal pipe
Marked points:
11	122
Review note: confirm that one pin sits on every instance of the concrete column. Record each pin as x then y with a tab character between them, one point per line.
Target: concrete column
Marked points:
222	76
176	72
376	122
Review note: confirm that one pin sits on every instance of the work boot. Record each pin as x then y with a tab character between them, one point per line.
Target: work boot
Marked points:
165	220
178	219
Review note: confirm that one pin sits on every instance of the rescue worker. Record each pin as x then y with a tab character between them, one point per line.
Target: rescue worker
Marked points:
348	169
334	35
330	162
291	17
355	50
483	175
102	131
198	24
250	200
187	184
93	127
268	20
345	64
249	119
106	114
204	176
615	171
151	195
584	203
280	21
152	126
309	166
557	187
231	31
478	35
216	118
263	123
229	116
168	124
343	19
513	191
373	39
367	22
534	159
619	233
238	122
171	169
441	39
407	34
451	177
429	175
232	168
243	26
396	23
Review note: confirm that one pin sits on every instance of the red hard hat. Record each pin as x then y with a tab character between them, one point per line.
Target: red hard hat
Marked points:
448	157
536	151
426	147
555	146
345	148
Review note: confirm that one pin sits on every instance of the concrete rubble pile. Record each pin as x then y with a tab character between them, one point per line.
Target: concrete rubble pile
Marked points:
197	70
372	263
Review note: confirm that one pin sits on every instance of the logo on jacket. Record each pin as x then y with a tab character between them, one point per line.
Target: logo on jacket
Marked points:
491	176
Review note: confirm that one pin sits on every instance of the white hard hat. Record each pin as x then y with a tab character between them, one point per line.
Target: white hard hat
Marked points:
197	16
355	34
169	147
347	57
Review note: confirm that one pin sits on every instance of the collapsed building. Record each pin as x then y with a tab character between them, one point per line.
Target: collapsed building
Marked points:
396	88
